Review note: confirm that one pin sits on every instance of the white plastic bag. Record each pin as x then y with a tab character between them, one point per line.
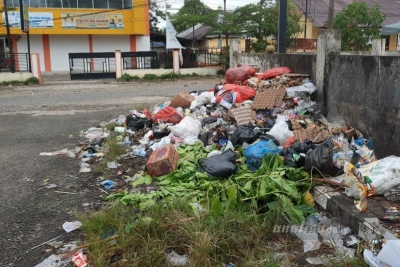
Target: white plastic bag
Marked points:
308	87
187	127
202	99
281	130
384	173
390	250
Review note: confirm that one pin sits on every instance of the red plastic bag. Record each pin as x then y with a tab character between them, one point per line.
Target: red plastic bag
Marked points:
243	93
272	73
239	74
168	114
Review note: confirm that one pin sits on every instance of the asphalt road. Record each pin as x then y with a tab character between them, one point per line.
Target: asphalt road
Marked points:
49	118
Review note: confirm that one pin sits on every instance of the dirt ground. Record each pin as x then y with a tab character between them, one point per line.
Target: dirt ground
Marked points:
47	118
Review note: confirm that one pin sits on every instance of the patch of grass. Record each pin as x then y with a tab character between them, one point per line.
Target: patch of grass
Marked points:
111	126
127	77
114	149
239	237
150	76
31	80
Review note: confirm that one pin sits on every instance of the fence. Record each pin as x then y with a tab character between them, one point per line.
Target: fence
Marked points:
16	62
157	59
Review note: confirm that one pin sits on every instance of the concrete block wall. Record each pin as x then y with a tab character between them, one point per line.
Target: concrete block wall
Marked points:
363	90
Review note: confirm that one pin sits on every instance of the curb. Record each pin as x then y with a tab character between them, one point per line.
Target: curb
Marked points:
366	225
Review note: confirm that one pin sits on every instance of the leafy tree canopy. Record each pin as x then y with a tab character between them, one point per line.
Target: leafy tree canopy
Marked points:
359	24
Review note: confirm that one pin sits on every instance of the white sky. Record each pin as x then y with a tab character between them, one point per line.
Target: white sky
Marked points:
230	5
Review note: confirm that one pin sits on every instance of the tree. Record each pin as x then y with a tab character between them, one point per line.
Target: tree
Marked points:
192	13
261	21
156	14
359	24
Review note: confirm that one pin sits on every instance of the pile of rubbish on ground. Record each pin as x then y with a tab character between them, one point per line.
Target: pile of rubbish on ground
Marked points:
259	139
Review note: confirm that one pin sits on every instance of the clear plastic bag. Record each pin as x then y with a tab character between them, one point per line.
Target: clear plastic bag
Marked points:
281	130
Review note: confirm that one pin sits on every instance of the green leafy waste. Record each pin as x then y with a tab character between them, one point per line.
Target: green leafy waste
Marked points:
274	188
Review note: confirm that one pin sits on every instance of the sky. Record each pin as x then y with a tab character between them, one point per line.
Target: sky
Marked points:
214	4
230	4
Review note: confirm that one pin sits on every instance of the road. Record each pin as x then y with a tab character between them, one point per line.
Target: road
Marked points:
47	118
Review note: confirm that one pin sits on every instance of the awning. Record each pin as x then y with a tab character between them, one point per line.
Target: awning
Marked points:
391	29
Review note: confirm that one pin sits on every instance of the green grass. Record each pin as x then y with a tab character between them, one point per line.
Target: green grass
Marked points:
142	237
31	80
114	149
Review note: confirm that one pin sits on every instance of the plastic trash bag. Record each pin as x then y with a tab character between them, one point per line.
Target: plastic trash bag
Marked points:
134	122
295	154
226	98
239	74
281	130
188	127
360	186
242	134
306	88
384	174
223	165
390	250
168	114
321	158
272	73
255	153
243	93
202	99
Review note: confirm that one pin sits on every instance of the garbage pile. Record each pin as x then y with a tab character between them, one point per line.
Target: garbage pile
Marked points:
259	138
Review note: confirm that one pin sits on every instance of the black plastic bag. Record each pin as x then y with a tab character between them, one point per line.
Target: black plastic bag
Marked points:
134	123
322	159
222	165
159	133
297	148
243	133
208	120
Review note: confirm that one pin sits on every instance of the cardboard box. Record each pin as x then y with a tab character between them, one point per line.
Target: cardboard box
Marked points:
183	100
162	161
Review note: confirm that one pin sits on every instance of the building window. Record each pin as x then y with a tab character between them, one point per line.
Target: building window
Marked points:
69	3
54	3
100	4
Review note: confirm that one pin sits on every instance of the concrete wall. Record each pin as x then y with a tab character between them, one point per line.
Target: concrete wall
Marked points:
104	43
199	71
142	43
299	63
19	76
36	46
365	92
62	45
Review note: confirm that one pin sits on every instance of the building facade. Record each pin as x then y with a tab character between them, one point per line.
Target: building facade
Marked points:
60	27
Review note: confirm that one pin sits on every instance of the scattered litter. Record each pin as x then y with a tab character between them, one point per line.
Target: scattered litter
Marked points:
174	259
26	179
315	261
79	259
112	165
54	261
71	226
51	186
65	152
55	244
46	242
108	184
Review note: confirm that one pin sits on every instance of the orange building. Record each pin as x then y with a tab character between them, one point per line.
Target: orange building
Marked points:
60	27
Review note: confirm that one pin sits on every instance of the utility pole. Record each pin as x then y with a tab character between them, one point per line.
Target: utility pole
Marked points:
330	14
10	45
306	17
282	26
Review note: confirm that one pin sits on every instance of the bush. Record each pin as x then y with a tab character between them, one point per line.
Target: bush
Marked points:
127	77
31	80
150	76
221	72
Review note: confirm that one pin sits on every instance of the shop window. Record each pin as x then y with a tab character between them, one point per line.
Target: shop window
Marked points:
102	4
54	3
115	4
85	3
37	3
69	3
128	4
12	3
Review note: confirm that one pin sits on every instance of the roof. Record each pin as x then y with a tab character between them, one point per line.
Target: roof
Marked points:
200	31
318	9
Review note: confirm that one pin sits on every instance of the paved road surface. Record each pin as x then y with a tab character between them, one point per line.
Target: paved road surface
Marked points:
49	118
